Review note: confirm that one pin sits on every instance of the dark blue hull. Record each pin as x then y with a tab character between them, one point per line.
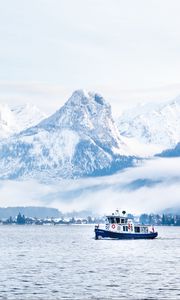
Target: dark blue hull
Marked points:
101	233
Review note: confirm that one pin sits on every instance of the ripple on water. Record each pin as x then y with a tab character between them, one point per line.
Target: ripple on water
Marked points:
66	263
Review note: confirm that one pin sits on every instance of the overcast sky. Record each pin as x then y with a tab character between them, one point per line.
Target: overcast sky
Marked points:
127	50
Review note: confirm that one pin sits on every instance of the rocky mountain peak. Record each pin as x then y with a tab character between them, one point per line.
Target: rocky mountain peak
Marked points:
88	114
82	111
82	97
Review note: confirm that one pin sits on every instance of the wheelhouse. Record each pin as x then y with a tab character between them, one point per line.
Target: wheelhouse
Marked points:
116	220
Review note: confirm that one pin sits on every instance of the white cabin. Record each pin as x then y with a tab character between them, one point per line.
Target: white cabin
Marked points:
121	223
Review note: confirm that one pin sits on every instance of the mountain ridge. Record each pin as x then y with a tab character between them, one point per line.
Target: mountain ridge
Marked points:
80	139
153	124
18	118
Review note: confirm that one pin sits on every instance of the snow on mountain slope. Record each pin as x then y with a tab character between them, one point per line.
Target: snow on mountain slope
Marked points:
80	139
156	124
7	121
27	115
14	120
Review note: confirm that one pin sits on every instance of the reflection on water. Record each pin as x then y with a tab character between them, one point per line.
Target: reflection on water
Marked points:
66	262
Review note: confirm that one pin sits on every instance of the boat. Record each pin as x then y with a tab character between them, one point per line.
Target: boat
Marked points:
120	226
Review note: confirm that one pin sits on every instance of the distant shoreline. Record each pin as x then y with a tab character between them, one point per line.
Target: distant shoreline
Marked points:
146	219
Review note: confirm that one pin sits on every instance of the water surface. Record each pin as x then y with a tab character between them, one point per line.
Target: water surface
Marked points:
65	262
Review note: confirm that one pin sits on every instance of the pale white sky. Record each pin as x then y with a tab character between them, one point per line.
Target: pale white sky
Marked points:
127	50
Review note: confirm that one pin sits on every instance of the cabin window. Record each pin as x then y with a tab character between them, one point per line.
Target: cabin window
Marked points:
136	229
112	220
125	228
144	229
117	220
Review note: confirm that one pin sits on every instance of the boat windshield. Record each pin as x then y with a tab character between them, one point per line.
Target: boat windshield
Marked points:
117	220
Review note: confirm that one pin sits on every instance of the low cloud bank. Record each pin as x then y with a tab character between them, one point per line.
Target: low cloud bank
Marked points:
151	187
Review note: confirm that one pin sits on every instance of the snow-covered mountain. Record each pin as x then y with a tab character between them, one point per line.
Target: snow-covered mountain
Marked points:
153	124
16	119
80	139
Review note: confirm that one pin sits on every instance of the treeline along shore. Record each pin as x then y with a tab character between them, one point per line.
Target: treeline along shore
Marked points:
52	216
23	220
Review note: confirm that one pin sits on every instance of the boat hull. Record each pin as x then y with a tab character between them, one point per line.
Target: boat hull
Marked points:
103	234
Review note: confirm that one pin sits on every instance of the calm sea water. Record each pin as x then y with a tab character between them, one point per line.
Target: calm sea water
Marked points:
65	262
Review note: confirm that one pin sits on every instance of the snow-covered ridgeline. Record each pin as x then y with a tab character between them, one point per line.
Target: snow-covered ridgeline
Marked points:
18	118
153	124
